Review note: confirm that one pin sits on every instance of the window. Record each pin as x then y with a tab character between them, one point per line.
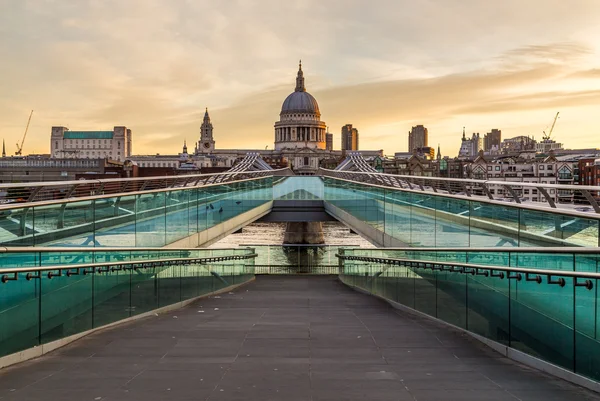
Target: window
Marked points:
497	168
541	167
306	161
526	191
549	167
489	168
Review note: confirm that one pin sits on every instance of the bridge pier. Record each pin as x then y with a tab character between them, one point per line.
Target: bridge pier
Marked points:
304	233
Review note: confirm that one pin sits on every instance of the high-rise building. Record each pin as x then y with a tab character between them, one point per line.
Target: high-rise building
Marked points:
328	141
349	138
492	140
417	138
115	144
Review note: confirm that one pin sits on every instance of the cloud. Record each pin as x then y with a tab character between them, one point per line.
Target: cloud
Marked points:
154	65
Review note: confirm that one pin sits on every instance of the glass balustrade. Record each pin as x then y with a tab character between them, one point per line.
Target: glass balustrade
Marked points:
552	317
70	292
149	219
434	220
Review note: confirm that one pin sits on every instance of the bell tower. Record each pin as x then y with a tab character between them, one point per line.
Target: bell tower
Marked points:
206	143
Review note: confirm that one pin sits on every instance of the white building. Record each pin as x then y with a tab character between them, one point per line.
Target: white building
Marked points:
114	145
470	147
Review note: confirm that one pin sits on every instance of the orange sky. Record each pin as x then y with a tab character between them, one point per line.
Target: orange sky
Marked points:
383	66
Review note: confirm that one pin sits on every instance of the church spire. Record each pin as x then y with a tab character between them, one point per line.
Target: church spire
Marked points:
300	79
206	116
3	149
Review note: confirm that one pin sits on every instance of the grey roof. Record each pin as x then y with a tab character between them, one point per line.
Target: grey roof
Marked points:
300	102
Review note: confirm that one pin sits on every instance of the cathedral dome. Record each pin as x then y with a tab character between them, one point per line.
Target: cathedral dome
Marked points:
300	102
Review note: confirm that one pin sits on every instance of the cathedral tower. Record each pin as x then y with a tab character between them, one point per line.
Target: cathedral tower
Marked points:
206	143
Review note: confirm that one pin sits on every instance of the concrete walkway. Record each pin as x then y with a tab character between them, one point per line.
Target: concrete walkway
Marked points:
281	338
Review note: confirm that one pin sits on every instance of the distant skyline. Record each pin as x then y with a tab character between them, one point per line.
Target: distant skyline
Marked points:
154	65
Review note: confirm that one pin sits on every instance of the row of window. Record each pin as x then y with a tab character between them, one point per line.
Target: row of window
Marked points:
87	145
86	140
158	164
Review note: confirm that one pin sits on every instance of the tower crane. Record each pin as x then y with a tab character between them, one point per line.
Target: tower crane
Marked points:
548	136
20	147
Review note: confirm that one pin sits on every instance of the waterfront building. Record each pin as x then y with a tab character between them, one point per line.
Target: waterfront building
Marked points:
114	145
37	168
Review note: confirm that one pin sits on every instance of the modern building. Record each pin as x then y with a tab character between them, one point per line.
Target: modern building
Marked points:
349	138
547	145
114	145
417	138
328	141
518	144
492	141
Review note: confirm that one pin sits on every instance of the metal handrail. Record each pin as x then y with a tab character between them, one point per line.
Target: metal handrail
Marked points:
469	180
488	198
18	249
533	249
474	269
39	191
22	205
158	262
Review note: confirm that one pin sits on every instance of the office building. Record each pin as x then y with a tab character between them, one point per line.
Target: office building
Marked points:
417	138
349	138
492	141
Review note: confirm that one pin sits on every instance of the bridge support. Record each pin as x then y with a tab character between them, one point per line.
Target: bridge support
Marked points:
304	233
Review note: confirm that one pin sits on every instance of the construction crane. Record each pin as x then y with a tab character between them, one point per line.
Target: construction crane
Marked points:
548	136
20	147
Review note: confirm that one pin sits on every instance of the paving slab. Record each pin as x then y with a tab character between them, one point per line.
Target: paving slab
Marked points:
281	338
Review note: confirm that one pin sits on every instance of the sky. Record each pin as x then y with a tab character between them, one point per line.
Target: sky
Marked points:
381	65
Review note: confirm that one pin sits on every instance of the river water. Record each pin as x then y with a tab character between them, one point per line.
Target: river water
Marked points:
335	233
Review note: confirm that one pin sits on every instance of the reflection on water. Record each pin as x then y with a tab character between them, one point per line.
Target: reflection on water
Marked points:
272	234
275	258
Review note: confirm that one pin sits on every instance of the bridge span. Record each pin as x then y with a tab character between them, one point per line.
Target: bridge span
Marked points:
455	263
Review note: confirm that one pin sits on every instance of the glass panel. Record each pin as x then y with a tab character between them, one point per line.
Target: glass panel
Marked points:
150	220
66	305
16	227
19	315
177	217
115	221
111	296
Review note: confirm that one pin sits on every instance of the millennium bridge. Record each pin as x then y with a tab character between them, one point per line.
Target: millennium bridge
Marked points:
109	292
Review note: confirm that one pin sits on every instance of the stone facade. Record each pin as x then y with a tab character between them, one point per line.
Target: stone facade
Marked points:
114	145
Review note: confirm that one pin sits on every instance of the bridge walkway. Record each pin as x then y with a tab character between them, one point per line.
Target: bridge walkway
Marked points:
281	338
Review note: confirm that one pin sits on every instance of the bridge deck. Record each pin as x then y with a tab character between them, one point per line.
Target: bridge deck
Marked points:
281	338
